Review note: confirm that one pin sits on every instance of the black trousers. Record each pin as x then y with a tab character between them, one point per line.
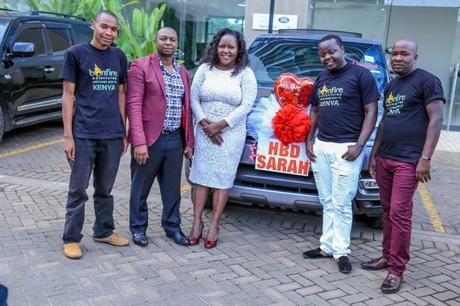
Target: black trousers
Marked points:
102	158
165	163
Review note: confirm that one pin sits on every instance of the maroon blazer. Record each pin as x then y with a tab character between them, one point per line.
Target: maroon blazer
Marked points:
146	102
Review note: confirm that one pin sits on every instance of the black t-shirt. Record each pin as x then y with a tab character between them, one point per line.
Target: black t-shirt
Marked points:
405	117
340	97
96	75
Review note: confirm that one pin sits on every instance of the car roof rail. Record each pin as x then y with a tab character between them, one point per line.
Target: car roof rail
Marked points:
36	13
8	12
320	31
7	9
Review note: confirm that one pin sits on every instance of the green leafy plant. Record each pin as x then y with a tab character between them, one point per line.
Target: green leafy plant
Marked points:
84	8
136	39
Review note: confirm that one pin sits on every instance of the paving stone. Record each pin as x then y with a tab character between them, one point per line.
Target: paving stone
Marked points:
332	294
258	261
338	302
354	298
433	301
444	296
381	301
310	290
420	292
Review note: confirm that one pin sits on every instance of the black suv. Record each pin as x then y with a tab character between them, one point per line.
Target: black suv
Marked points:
32	47
297	52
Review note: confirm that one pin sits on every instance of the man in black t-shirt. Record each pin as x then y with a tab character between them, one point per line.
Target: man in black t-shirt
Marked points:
344	109
94	77
401	156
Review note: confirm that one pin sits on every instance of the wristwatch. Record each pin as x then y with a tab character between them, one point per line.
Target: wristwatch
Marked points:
425	157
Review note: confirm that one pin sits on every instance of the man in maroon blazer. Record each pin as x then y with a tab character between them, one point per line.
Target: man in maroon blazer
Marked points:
160	132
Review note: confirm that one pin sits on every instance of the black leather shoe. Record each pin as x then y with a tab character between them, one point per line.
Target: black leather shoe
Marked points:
140	239
344	264
315	253
179	238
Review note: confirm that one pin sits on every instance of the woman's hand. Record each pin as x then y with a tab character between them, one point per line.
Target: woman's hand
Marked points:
217	139
214	128
205	122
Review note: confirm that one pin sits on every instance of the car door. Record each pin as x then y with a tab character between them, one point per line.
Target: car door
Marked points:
57	36
31	90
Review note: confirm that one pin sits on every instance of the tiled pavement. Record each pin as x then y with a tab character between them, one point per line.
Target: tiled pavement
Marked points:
257	262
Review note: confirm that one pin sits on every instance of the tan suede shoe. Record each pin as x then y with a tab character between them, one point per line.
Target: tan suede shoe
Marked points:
72	250
113	239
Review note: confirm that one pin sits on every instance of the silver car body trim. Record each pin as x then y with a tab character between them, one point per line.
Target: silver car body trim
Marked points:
31	106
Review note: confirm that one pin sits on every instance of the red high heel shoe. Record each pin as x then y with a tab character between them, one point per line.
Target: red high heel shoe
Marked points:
208	244
196	240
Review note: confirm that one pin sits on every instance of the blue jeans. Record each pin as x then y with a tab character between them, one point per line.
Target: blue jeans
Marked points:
102	158
165	163
337	183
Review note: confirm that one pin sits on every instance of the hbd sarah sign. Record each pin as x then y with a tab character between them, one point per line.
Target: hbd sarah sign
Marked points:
273	155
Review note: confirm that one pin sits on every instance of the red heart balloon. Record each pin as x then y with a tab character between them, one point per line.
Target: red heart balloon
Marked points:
289	89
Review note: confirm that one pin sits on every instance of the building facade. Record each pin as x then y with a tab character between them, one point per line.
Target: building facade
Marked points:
435	24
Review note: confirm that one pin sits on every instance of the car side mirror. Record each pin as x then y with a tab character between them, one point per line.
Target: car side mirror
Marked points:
23	49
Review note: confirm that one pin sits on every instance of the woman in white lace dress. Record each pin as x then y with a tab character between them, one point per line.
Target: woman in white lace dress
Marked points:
223	92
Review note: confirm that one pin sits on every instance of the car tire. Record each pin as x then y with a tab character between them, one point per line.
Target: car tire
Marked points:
2	123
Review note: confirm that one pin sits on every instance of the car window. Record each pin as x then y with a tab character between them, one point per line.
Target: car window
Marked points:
3	26
82	33
271	57
33	35
59	38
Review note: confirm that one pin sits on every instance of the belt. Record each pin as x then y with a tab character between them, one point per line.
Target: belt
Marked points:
166	132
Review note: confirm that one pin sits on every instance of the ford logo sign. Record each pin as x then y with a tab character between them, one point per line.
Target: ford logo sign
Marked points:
283	19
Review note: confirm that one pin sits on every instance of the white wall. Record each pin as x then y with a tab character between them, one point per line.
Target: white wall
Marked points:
368	19
290	7
434	30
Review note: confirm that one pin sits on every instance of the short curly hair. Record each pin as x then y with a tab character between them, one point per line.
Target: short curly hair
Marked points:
210	55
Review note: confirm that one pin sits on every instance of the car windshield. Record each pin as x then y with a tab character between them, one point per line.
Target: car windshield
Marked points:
3	26
271	57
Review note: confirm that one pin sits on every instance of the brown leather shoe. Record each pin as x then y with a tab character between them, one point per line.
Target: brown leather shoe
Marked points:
375	264
391	284
113	239
72	250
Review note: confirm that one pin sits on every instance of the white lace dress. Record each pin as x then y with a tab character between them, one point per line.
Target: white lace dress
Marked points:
217	95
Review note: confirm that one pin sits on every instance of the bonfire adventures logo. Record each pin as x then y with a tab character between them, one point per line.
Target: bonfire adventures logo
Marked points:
329	96
393	104
103	79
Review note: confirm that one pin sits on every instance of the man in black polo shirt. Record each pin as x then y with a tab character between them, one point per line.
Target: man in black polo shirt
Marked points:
344	109
401	156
